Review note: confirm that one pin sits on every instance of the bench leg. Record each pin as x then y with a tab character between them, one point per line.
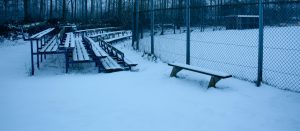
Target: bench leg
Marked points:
67	61
37	55
174	72
42	44
213	81
32	62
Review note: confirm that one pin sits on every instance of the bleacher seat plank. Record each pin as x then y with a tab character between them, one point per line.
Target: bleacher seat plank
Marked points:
110	64
83	51
70	41
99	52
41	34
117	38
129	62
51	46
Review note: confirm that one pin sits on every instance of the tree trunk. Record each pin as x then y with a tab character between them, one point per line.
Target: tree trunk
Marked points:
86	11
51	9
64	10
26	11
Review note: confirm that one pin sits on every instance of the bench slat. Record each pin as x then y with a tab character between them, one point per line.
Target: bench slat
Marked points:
84	51
76	52
117	38
129	62
41	34
110	64
49	46
53	46
99	52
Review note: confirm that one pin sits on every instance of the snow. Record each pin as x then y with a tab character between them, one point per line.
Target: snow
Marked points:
145	100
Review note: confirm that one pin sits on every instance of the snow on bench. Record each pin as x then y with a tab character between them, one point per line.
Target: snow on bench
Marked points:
118	55
70	41
129	62
110	65
215	75
98	51
41	34
80	54
118	38
108	33
50	47
94	31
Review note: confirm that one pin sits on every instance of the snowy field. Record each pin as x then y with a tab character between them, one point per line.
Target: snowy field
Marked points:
144	100
236	52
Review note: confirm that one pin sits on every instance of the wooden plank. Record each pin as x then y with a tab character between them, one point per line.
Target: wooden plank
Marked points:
108	33
79	52
117	38
84	52
99	52
67	41
109	64
44	49
129	62
41	34
98	29
75	52
51	47
72	40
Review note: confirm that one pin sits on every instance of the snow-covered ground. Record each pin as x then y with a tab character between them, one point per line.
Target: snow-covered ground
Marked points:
144	100
236	52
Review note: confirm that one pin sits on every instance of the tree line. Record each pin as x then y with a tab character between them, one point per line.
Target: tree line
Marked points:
120	11
63	10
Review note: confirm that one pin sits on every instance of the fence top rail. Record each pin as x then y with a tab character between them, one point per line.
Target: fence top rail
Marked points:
42	33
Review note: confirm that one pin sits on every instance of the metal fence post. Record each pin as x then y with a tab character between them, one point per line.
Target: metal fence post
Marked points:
188	32
152	27
137	23
133	25
260	43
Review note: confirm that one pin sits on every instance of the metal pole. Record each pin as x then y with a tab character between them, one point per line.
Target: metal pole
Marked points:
137	23
152	27
188	32
133	24
260	43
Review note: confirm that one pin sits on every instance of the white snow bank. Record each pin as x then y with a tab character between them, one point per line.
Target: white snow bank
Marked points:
148	100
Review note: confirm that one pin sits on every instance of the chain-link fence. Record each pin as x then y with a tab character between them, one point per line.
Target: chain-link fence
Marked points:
224	36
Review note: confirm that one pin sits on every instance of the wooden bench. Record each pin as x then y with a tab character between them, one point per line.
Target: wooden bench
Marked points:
215	75
40	39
